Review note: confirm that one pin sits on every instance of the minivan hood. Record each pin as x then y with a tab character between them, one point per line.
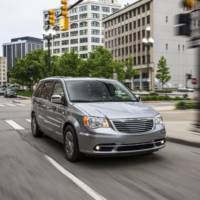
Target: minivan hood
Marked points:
113	110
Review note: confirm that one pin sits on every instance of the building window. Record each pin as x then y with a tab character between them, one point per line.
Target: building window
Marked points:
74	25
130	26
138	22
143	60
66	34
83	32
74	41
74	49
56	51
83	24
65	50
95	15
105	9
143	21
166	46
148	6
143	8
65	42
56	43
114	10
83	16
84	56
166	19
74	18
138	10
96	40
83	48
83	40
74	33
95	32
139	60
94	7
179	47
148	19
83	8
95	24
139	35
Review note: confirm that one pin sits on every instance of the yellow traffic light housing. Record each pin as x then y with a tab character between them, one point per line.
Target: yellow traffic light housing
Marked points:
189	4
65	15
52	17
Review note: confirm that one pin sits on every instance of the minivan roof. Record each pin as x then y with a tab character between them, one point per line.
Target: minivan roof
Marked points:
74	78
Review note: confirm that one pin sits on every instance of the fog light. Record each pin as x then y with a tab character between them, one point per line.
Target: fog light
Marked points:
97	148
162	141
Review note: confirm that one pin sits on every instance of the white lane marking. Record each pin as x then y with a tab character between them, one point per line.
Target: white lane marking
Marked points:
75	180
10	104
1	105
28	120
14	125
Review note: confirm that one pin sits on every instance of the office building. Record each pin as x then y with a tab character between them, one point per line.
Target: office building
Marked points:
3	71
86	28
19	47
128	31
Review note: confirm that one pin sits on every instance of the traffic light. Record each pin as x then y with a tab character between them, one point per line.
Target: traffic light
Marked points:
183	24
189	4
64	15
188	76
52	17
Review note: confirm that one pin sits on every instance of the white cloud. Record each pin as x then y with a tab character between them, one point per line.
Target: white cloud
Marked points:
24	17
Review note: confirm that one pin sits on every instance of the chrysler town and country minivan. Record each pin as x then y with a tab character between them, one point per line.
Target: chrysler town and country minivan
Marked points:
95	116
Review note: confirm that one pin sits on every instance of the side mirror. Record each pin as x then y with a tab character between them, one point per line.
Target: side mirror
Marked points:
138	97
57	99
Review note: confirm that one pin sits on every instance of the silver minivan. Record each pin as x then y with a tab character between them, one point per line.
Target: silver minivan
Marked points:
95	116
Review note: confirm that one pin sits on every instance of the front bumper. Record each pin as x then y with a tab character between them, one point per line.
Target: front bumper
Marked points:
119	143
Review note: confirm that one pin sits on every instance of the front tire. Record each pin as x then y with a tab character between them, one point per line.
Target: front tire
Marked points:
35	128
71	147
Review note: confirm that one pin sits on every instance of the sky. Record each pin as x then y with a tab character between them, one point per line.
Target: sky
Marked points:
20	18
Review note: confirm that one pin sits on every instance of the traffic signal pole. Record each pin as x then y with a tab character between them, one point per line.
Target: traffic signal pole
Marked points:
49	53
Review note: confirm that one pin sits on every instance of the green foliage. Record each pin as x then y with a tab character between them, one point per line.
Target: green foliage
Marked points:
182	105
130	72
163	73
25	93
34	66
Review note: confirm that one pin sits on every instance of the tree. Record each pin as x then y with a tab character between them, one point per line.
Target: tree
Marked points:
163	73
130	71
68	65
100	63
32	68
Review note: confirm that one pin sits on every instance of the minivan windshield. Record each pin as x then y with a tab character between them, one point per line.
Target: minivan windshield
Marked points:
98	91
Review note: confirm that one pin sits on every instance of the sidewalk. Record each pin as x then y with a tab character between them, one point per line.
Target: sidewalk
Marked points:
182	132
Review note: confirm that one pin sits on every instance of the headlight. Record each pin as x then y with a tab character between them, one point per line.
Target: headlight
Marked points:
95	122
158	120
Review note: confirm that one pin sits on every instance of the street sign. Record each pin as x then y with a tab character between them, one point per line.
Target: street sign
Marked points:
195	24
194	81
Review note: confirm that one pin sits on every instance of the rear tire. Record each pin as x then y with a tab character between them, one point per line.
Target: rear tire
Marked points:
71	147
35	128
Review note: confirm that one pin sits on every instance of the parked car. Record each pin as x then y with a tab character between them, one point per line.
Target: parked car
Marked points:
2	90
10	92
96	117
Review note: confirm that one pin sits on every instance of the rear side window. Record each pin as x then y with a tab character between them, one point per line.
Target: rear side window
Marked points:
38	90
46	91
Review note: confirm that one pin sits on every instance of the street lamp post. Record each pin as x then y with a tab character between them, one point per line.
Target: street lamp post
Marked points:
148	42
49	36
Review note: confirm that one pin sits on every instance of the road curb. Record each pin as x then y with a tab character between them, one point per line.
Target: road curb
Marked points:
184	142
24	98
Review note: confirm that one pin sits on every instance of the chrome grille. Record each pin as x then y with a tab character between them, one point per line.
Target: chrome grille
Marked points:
134	125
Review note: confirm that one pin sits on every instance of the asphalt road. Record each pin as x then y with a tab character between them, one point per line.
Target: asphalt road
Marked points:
26	173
